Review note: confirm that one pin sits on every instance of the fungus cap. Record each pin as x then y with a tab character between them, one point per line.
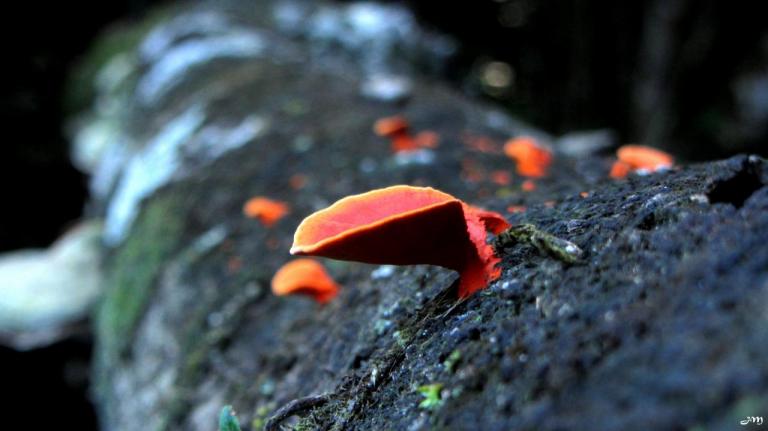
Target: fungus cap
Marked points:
532	159
267	211
304	276
620	169
637	157
644	157
404	225
389	126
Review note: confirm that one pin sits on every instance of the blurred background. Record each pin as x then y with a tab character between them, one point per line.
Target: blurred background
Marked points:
688	77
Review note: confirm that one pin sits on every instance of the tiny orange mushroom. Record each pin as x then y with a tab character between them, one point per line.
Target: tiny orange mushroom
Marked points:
532	159
405	225
305	276
389	126
501	178
396	128
528	186
427	139
267	211
639	157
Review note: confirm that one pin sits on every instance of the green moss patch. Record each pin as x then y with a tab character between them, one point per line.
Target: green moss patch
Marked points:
133	270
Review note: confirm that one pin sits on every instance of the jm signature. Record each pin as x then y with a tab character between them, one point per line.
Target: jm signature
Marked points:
757	420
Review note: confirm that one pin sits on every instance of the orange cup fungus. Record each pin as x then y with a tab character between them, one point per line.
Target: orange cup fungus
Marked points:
639	158
532	159
307	277
405	225
528	185
501	178
267	211
396	128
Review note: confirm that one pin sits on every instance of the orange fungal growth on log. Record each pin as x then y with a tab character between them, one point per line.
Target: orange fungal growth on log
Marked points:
396	128
390	126
639	158
267	211
528	185
620	169
297	181
501	178
532	159
405	225
307	277
427	139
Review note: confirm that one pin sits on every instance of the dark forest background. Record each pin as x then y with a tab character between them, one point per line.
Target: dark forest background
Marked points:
689	77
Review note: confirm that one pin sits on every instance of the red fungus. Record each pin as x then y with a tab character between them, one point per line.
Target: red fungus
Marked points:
493	221
396	128
390	126
405	225
532	159
619	169
297	181
307	277
427	139
639	157
528	185
501	178
267	211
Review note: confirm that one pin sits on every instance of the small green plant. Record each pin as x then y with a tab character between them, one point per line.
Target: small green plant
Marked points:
260	419
431	394
228	420
451	360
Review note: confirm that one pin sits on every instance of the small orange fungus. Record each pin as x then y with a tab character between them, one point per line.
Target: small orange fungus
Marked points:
396	128
405	225
528	185
307	277
427	139
532	159
389	126
297	181
584	194
267	211
501	178
637	158
513	209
